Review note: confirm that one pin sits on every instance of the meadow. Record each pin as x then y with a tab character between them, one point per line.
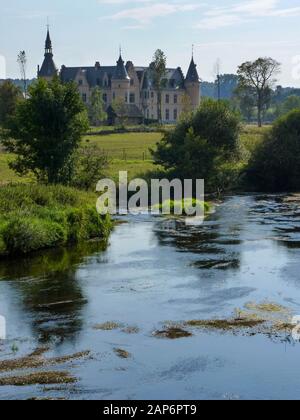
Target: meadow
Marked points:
130	152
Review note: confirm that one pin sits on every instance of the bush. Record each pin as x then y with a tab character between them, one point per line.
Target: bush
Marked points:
35	217
275	165
201	142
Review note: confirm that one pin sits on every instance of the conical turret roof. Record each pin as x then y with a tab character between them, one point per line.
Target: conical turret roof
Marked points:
192	74
121	72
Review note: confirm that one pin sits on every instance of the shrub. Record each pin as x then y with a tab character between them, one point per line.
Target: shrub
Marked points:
275	165
34	217
201	142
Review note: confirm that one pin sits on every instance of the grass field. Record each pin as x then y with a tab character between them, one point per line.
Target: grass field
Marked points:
127	152
130	152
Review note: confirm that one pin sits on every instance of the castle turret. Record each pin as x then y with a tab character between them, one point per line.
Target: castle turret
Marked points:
120	81
48	69
192	85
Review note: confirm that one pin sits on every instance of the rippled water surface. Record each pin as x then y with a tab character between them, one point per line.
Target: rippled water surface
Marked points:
153	272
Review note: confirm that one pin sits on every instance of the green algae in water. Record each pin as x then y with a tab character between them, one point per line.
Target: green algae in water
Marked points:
122	354
224	324
39	378
183	207
108	326
36	360
172	333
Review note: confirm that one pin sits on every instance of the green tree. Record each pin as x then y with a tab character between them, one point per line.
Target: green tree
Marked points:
275	165
96	107
10	95
46	130
158	73
259	76
120	109
291	103
90	165
246	102
201	143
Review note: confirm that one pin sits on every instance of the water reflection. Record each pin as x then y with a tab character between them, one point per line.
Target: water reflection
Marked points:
48	289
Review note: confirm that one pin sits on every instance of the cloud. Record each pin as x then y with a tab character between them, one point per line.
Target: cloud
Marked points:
237	13
146	13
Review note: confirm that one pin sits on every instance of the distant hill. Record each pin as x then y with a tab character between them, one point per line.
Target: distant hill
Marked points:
228	84
19	82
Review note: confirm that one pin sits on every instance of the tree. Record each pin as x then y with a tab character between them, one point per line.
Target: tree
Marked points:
90	165
158	73
46	130
291	103
217	76
259	75
275	165
96	107
201	143
22	60
120	110
186	104
246	101
10	95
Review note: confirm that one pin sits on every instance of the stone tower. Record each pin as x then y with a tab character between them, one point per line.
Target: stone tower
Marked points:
48	69
120	83
192	85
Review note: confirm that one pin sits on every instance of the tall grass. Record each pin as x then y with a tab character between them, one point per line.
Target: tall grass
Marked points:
34	217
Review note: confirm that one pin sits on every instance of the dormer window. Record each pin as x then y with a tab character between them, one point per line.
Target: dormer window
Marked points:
80	82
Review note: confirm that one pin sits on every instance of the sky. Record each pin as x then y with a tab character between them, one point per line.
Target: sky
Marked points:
86	31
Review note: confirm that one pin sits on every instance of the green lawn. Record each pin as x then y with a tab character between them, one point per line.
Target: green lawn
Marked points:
6	174
130	151
127	152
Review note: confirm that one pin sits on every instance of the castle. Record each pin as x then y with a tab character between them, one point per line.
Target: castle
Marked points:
134	85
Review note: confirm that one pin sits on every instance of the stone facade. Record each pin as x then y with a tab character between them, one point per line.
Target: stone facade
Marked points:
133	85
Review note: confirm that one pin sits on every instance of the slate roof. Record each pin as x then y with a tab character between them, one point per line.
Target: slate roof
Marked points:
120	71
174	78
192	74
48	68
130	111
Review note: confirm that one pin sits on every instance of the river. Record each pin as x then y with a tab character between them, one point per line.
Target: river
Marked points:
151	273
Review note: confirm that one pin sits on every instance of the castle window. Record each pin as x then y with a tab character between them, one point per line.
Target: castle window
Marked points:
175	114
167	115
114	96
132	98
131	82
80	82
167	99
84	97
175	99
105	97
152	95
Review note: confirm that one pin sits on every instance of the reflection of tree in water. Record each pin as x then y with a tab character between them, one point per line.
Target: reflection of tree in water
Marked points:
216	242
49	290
